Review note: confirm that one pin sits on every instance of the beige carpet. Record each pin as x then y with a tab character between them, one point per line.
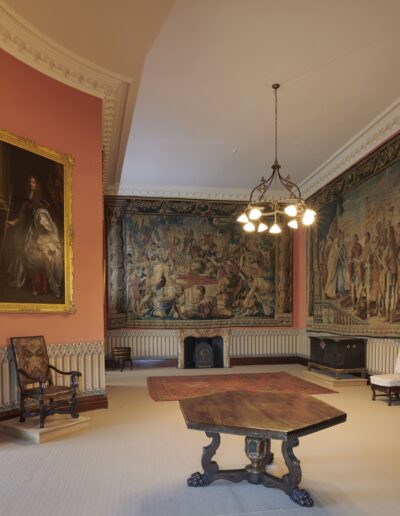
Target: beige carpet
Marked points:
135	458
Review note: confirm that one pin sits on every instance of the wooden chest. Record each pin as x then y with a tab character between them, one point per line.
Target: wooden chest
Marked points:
341	354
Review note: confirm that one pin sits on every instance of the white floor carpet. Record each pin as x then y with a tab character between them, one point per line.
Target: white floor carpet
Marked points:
136	456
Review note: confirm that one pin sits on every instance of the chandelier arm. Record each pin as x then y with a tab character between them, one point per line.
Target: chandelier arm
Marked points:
253	191
290	186
262	187
267	184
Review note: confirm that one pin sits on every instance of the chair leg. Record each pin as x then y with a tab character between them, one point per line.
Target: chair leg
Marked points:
22	408
390	396
373	392
74	404
42	412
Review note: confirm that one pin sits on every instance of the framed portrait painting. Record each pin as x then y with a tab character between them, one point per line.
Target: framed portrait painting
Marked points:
35	227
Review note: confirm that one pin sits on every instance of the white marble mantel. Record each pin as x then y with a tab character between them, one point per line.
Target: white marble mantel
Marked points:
225	334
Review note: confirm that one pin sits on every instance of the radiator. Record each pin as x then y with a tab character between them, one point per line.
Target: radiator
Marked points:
244	342
382	354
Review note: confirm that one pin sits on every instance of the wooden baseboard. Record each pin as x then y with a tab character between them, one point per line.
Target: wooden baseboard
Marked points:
97	401
144	363
236	361
86	403
9	414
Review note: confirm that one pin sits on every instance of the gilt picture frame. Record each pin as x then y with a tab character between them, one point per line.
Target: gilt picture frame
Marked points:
36	254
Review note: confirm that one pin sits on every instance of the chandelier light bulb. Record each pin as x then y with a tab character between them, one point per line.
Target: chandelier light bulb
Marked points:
275	229
255	214
249	227
243	218
291	210
308	217
262	227
293	224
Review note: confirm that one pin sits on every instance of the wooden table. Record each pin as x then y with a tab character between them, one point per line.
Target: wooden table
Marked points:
260	417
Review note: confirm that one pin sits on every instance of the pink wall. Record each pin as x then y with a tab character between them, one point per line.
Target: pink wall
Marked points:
299	278
37	107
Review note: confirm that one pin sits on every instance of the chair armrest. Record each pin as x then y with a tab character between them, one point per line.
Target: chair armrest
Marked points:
71	373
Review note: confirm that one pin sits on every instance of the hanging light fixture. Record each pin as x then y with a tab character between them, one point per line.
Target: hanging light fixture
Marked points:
275	199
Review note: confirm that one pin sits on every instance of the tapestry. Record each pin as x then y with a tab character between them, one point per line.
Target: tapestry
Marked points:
174	264
353	250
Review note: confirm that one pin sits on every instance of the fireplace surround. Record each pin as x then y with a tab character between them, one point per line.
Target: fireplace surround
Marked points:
209	335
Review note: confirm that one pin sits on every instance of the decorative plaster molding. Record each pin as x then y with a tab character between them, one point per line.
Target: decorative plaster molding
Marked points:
374	134
265	332
141	333
5	354
75	348
26	43
221	194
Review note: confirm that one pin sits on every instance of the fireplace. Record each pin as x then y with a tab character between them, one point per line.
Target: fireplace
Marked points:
202	352
203	348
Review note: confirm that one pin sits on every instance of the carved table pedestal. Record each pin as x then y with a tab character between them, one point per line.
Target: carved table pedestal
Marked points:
260	417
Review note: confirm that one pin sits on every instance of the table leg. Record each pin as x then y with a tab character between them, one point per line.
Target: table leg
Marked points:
211	468
291	480
259	452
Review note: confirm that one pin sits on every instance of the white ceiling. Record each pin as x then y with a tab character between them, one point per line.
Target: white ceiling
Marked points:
203	115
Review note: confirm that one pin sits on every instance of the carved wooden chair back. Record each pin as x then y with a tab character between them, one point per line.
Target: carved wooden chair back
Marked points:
35	381
30	355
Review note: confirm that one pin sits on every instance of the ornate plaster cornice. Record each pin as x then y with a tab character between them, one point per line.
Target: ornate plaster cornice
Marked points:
26	43
373	135
219	194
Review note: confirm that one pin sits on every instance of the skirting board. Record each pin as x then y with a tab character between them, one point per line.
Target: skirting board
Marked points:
293	359
86	403
142	363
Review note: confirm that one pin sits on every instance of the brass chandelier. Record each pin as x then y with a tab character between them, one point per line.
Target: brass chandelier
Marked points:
275	199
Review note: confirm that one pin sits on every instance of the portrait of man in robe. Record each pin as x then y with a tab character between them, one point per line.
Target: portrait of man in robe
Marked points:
35	248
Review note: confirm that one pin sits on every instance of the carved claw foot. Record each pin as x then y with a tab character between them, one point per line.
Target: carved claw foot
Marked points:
301	497
198	480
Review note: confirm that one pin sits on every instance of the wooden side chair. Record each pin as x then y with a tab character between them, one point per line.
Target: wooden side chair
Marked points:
388	384
36	383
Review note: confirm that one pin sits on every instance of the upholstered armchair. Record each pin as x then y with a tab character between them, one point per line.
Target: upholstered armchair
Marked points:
388	384
34	373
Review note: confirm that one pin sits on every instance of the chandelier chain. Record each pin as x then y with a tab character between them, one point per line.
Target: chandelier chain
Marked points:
276	124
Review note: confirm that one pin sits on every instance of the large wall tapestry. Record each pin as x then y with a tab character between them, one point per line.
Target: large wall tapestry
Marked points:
176	264
353	250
